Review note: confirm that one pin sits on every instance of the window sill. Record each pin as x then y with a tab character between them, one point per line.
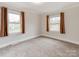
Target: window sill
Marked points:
14	34
58	32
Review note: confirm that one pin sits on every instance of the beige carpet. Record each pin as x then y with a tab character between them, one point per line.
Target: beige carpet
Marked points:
40	47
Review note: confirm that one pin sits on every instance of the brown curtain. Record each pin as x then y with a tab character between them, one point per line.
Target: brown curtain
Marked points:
4	31
47	23
62	25
22	22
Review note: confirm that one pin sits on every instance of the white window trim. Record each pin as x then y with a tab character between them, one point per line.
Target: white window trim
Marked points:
51	23
14	12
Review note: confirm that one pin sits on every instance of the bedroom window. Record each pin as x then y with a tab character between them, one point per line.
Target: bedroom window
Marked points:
54	23
14	23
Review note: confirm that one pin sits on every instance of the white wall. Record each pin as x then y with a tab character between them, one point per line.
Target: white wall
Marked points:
0	20
32	25
71	26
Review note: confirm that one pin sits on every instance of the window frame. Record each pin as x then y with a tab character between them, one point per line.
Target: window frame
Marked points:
17	13
54	23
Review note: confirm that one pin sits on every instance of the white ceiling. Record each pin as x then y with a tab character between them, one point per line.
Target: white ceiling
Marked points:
45	7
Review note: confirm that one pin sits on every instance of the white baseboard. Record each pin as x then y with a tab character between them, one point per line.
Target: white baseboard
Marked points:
18	41
65	40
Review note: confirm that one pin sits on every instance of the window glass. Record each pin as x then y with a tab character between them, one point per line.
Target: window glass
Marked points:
13	23
55	23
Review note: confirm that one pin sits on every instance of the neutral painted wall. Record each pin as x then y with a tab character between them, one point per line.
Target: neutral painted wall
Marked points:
0	20
32	26
71	26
